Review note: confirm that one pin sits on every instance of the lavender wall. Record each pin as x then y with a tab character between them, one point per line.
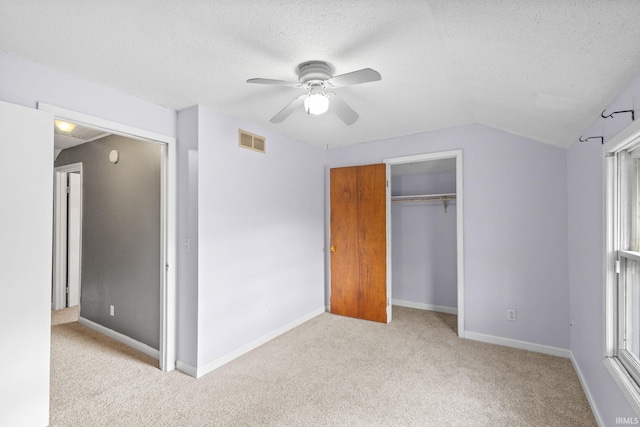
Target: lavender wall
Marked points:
515	227
261	230
28	83
516	223
585	210
424	257
238	204
187	236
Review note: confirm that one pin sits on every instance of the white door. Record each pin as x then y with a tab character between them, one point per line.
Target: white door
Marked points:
73	245
26	151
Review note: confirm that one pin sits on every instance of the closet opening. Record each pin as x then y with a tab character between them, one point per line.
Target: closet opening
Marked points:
424	238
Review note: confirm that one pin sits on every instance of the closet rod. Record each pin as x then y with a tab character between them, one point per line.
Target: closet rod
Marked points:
424	197
444	198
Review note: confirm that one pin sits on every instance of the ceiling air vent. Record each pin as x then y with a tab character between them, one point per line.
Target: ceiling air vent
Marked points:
251	141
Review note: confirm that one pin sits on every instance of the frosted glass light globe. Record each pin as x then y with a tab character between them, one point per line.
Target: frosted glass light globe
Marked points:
316	103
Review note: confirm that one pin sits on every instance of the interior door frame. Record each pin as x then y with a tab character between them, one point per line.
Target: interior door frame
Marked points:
457	154
167	347
60	214
74	239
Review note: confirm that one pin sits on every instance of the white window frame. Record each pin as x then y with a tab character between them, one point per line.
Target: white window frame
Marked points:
614	218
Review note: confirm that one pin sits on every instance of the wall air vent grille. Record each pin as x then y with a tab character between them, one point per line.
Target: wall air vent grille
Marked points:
251	141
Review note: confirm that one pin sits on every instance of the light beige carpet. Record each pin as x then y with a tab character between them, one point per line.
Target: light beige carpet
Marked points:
66	315
331	370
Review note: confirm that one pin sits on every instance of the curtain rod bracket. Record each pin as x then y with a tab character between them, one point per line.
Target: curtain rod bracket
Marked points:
633	114
601	138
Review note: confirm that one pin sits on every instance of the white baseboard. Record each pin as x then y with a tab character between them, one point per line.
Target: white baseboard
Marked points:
186	368
586	390
149	351
213	365
522	345
421	306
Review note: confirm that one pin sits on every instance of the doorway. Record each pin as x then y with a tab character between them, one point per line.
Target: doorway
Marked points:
446	200
347	286
167	340
67	236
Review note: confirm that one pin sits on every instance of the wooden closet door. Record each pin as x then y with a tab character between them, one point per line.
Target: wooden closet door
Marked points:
358	242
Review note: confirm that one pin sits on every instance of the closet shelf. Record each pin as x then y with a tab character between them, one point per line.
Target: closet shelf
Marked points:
444	198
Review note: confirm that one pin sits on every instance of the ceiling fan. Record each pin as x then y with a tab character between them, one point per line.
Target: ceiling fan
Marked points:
316	77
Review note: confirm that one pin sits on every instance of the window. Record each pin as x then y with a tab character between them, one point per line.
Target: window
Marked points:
622	266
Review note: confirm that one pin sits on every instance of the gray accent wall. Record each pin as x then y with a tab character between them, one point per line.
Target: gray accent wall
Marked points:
121	235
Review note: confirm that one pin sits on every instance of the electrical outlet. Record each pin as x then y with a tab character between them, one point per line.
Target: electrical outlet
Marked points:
511	314
112	311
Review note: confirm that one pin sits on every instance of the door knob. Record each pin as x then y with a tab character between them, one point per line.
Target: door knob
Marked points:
332	248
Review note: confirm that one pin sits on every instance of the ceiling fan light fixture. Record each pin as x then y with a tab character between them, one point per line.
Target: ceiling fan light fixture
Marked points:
315	77
316	103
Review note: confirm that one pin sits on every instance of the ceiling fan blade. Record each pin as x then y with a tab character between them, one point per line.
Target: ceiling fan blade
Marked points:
273	82
286	111
355	77
342	110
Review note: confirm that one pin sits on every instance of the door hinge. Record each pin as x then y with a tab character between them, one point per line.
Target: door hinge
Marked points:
166	266
68	190
67	290
387	302
617	266
387	183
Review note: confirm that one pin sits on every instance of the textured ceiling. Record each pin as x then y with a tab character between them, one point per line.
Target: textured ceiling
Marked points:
79	135
543	69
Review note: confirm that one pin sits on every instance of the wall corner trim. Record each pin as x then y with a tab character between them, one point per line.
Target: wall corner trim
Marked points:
587	391
149	351
215	364
186	368
522	345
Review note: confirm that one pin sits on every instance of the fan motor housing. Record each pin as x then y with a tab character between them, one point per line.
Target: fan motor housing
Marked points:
311	71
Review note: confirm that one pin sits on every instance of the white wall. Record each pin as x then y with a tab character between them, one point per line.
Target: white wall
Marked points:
515	227
585	212
261	225
26	168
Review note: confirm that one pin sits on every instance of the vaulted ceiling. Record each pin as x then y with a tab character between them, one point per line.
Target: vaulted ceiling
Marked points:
542	69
